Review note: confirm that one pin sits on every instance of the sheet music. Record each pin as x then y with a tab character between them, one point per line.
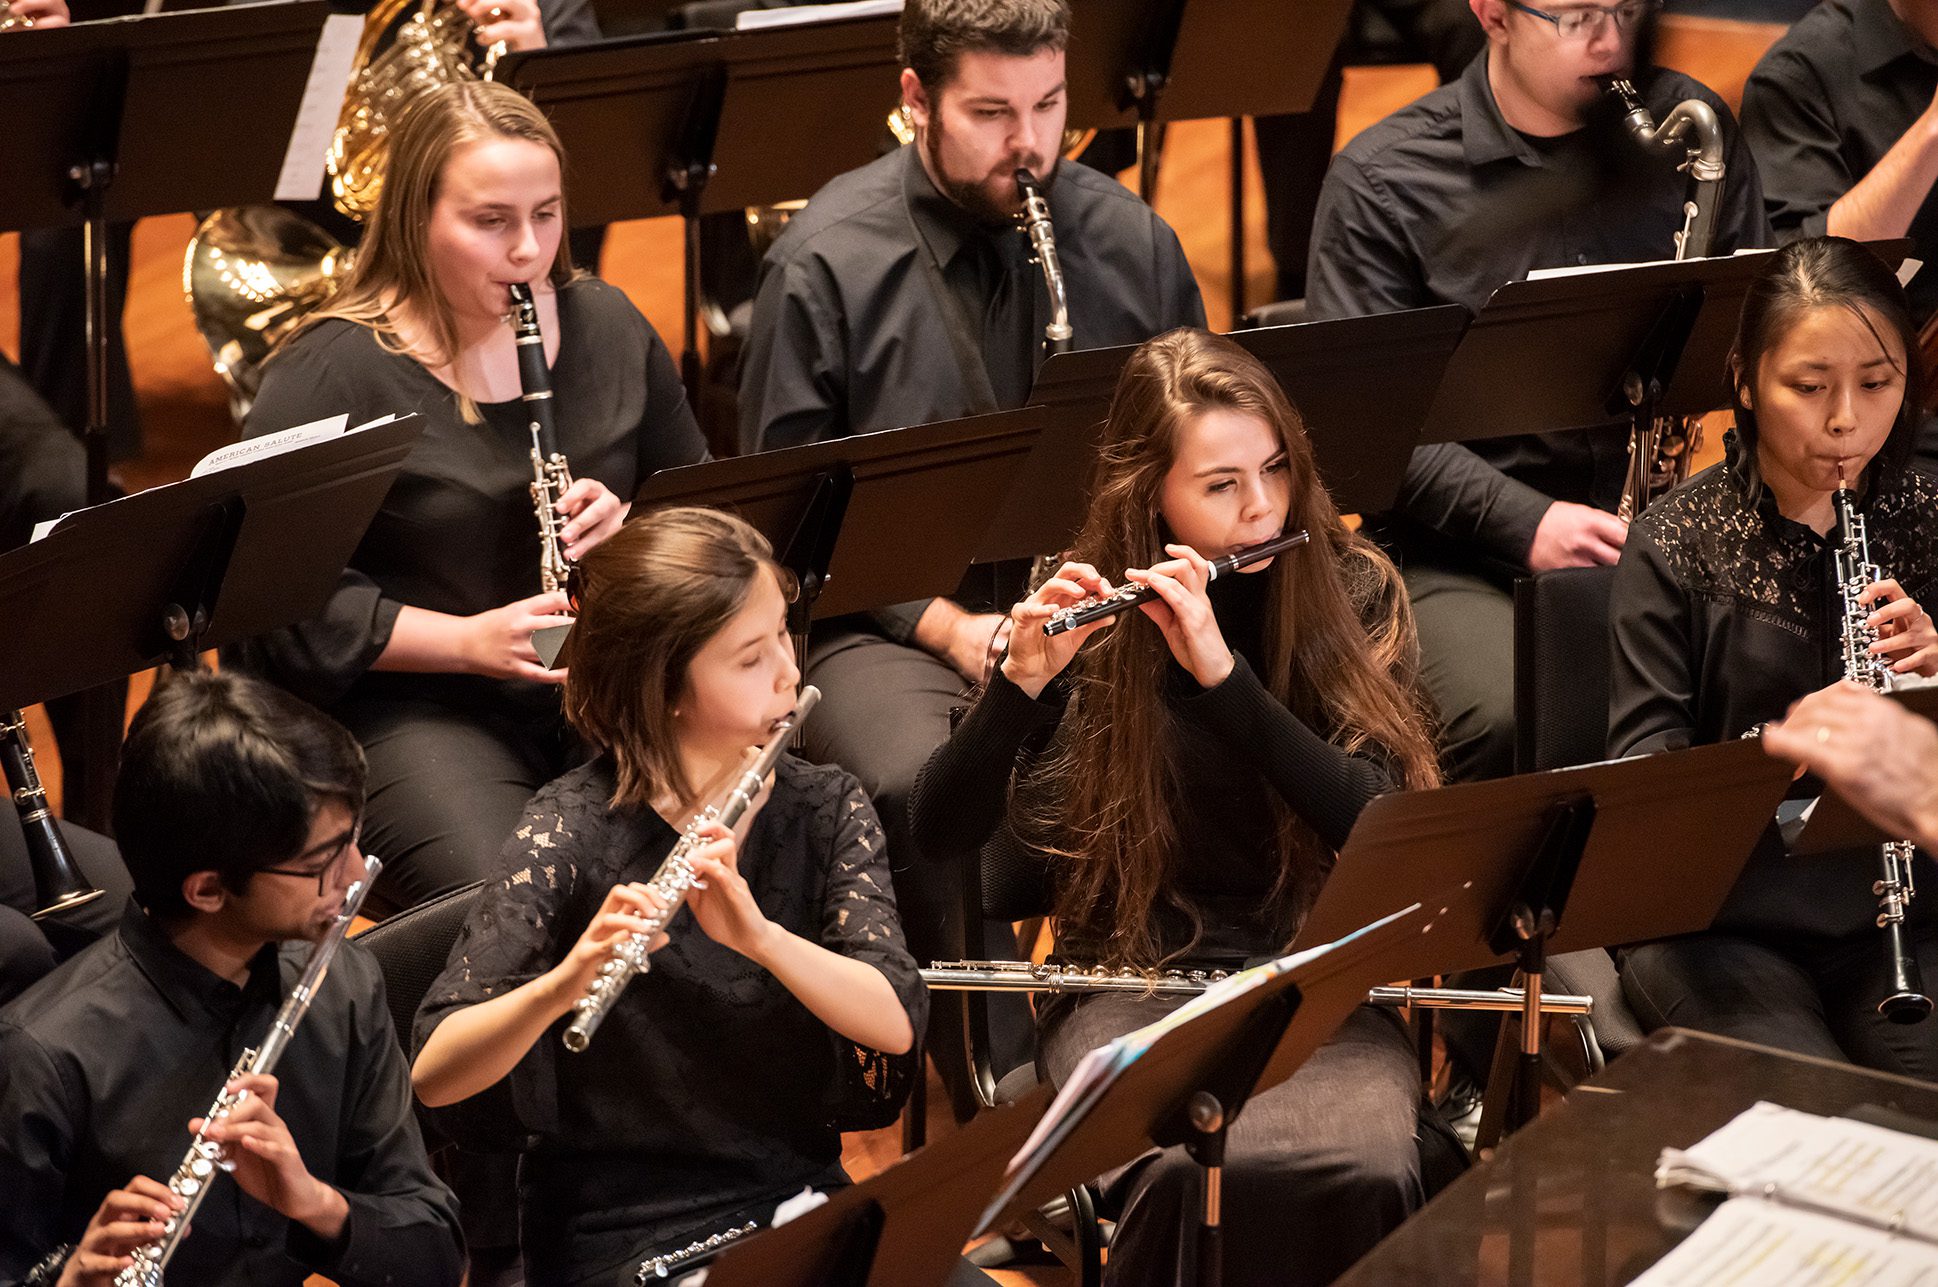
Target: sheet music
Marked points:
1583	270
754	19
1750	1242
275	444
1842	1168
309	141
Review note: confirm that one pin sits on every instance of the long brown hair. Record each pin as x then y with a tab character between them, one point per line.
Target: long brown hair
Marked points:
393	262
650	596
1339	651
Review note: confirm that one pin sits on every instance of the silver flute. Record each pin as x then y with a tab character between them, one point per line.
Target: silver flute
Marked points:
1023	976
1906	1000
690	1257
197	1173
1125	597
1036	222
672	881
551	475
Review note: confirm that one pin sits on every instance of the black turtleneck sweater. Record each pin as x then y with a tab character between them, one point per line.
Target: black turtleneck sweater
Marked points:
1237	746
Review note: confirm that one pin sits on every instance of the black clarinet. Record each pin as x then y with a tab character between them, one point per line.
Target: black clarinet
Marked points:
58	883
551	475
1126	597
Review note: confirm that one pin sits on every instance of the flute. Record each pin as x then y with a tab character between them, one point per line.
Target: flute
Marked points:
1129	596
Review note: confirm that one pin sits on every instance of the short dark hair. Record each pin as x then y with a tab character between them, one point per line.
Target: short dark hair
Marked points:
1824	272
650	597
225	773
936	33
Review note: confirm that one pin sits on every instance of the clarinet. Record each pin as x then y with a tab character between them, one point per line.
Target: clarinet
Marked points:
1906	1002
1036	222
551	475
58	881
673	880
197	1173
1660	452
1129	596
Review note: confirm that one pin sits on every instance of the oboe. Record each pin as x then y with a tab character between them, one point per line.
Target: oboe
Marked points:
1052	977
1036	222
673	879
551	475
1129	596
1906	1002
58	882
193	1178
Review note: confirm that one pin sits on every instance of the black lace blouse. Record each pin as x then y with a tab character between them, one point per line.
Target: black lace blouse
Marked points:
710	1092
1723	614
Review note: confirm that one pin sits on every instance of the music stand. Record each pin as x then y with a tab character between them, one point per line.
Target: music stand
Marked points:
1195	1078
871	519
1363	422
697	122
1143	62
1624	848
94	135
903	1228
167	573
1830	823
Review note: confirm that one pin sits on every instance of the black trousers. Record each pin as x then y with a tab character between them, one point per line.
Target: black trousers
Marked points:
53	330
1317	1169
1466	624
885	708
446	788
1810	998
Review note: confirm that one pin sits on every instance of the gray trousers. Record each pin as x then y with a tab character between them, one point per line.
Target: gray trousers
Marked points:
1317	1169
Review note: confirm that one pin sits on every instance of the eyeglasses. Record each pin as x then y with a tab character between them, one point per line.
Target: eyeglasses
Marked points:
1588	21
320	875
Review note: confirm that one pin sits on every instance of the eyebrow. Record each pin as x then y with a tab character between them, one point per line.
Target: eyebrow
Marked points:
328	846
1236	469
995	100
506	205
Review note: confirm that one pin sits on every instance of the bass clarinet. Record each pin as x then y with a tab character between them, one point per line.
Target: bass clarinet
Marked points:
551	475
674	878
1660	451
1036	222
193	1178
1906	1002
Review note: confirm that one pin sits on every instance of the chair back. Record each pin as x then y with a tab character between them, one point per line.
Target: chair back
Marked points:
1561	668
411	948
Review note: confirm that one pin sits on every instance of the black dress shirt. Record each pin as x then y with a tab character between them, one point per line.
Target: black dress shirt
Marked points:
456	533
1723	614
851	335
1238	747
103	1063
1823	107
1443	202
710	1092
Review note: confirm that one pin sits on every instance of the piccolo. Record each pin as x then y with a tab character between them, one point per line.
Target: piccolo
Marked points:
1129	596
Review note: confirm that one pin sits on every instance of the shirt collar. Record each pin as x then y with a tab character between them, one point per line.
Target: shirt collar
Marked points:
181	979
1881	38
947	227
1485	134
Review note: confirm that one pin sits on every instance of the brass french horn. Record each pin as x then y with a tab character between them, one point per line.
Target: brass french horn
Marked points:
252	272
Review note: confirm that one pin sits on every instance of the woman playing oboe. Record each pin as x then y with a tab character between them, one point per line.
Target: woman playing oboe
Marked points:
780	1006
1724	614
425	650
1183	778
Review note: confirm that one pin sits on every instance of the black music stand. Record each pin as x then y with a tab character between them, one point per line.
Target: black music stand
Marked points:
1143	62
169	572
698	122
1624	848
903	1228
871	519
93	136
1830	823
1363	422
1195	1078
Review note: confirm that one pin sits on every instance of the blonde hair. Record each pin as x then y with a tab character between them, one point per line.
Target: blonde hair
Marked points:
393	262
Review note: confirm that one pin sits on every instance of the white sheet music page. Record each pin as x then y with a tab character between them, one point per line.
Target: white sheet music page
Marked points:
1852	1170
309	142
1750	1242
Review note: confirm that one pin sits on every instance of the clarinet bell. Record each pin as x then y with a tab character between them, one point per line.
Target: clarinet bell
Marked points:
62	890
